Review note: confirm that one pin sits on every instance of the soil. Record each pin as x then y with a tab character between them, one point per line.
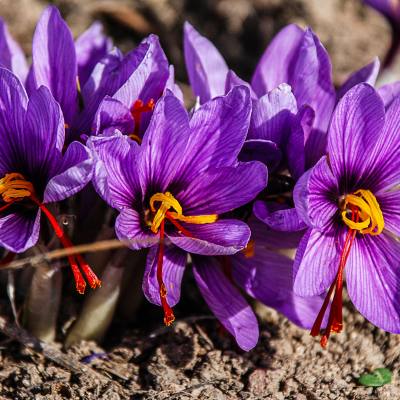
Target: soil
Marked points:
195	358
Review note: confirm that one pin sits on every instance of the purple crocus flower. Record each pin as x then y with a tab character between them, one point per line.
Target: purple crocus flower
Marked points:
294	57
351	208
188	166
56	64
33	169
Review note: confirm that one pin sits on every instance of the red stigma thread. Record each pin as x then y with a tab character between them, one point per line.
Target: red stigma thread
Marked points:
168	313
73	258
335	321
138	109
8	258
226	266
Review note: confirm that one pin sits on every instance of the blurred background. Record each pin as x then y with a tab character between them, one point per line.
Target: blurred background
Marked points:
352	33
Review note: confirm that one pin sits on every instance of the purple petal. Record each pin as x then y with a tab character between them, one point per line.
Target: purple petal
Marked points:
223	189
272	116
206	67
223	237
11	55
174	263
295	153
112	115
115	185
54	60
389	93
12	118
372	273
271	238
44	136
367	74
355	128
226	302
126	76
386	7
72	174
306	116
128	226
389	204
19	231
281	220
272	69
320	261
261	150
268	278
323	189
382	170
233	80
172	86
163	144
91	47
217	132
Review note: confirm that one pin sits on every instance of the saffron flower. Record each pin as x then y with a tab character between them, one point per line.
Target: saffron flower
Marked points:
57	65
350	203
175	186
33	169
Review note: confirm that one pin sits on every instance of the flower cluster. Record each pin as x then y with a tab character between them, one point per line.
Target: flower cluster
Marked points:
254	169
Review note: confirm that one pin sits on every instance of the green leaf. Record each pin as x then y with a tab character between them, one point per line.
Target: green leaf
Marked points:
380	377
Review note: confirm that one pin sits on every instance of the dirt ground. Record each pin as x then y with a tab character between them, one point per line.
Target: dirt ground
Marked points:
195	358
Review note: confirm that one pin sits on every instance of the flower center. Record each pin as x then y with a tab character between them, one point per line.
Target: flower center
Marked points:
137	110
14	187
167	201
363	206
370	213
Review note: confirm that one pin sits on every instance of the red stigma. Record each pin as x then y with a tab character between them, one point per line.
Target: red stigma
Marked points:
138	109
168	313
335	321
226	267
74	258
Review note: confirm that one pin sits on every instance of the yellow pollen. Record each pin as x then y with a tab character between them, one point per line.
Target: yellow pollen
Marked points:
249	249
370	213
14	187
168	201
78	85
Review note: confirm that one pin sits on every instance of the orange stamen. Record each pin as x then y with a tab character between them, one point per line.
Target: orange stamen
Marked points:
138	109
9	257
168	313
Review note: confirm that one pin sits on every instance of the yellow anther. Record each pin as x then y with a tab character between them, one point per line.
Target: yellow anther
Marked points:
249	249
168	201
369	211
14	187
78	85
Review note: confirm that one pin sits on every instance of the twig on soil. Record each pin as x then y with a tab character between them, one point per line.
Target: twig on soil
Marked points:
46	350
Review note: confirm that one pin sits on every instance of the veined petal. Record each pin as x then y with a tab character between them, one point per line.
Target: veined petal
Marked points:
389	93
223	189
11	55
372	272
206	67
163	145
354	131
320	262
54	60
217	132
13	100
226	302
44	138
172	86
233	80
128	226
19	230
223	237
72	174
367	74
174	263
389	205
117	187
91	47
272	70
272	116
295	151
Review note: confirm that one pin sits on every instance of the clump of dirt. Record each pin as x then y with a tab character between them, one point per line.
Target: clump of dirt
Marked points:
196	359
